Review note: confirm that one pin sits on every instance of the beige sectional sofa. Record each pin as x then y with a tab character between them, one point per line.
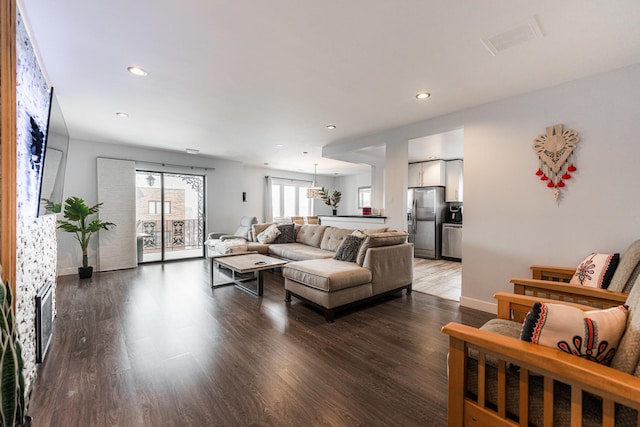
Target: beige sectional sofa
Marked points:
384	265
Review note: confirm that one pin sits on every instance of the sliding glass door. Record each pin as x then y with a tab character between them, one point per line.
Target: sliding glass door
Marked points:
169	216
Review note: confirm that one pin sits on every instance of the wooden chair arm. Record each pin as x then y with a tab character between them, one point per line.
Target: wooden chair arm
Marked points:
509	305
597	298
549	272
590	376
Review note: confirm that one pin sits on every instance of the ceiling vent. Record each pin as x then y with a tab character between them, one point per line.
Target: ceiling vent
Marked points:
513	37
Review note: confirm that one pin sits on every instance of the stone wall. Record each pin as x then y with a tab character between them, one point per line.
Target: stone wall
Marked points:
36	244
37	255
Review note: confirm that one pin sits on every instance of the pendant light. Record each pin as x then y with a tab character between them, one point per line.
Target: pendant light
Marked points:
314	191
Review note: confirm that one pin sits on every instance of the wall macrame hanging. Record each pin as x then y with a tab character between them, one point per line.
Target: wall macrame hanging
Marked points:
555	151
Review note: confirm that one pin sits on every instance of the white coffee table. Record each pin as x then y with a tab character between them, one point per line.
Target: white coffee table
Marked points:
243	264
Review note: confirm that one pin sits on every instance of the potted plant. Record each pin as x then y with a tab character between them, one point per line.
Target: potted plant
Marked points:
76	213
13	411
332	199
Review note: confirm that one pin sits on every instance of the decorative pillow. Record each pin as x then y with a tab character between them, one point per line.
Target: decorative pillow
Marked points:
257	229
269	234
287	233
593	335
348	250
596	271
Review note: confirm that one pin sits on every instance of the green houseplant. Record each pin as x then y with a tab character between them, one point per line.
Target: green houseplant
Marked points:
332	199
77	221
14	403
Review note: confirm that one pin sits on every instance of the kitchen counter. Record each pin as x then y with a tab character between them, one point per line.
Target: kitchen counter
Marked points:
352	216
353	222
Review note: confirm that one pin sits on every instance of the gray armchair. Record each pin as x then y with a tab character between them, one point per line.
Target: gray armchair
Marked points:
241	233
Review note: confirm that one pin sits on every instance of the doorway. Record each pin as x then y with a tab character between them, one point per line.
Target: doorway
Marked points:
169	216
441	277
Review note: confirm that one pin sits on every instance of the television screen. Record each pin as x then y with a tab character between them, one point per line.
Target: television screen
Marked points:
54	160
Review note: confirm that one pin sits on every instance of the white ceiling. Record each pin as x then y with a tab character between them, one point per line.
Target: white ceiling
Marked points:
234	78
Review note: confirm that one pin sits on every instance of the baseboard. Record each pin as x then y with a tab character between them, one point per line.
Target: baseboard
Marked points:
477	304
67	271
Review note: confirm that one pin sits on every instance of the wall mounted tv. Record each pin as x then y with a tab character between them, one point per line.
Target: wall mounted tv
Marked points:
56	146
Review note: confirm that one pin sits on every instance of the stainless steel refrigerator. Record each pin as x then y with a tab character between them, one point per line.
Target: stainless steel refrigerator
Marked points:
425	214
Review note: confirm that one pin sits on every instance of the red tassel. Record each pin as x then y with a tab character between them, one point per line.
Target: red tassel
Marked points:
566	176
572	168
550	184
561	184
544	178
539	173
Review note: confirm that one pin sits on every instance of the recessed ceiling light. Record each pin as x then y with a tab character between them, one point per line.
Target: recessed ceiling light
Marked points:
121	114
137	71
279	145
331	127
423	95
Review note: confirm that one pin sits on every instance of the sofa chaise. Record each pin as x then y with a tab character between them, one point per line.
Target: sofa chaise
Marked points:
383	265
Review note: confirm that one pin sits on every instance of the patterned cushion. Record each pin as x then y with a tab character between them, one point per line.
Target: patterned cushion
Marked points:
287	234
596	271
269	234
593	335
257	229
348	250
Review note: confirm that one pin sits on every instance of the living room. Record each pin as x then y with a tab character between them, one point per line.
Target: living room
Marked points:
511	219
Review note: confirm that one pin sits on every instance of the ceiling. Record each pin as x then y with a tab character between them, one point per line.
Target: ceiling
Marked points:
233	79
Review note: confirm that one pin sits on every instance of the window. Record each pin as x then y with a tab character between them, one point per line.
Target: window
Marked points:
289	198
364	197
154	207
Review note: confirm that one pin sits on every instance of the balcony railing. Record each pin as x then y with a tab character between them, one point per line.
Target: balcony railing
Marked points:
178	234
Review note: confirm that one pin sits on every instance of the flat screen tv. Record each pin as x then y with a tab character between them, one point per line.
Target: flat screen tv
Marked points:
54	161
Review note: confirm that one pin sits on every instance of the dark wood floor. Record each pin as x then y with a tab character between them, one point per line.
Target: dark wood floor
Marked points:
155	346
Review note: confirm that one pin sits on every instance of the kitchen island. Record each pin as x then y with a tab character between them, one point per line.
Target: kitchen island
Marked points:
354	222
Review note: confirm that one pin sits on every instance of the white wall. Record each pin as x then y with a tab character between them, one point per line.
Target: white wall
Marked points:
510	218
225	182
348	185
223	187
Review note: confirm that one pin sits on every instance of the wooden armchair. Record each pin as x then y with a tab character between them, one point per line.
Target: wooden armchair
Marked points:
297	220
550	388
553	282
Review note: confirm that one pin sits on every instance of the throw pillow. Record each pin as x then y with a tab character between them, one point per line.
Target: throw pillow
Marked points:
287	233
348	250
593	335
596	271
269	234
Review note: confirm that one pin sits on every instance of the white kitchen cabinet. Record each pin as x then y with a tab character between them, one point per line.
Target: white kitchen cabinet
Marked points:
427	174
454	181
415	174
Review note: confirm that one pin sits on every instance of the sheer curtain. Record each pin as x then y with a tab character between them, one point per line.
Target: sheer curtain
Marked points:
268	200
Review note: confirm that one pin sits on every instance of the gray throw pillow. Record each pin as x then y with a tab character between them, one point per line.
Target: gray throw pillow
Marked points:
348	250
287	234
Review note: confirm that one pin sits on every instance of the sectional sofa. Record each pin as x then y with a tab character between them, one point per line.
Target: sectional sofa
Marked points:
383	265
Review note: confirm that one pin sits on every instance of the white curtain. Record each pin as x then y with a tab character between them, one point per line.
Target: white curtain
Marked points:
117	192
268	200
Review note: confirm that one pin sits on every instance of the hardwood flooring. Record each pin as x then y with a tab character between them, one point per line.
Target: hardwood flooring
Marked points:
440	277
155	346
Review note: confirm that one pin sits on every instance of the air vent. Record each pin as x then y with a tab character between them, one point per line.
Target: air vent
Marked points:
513	37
